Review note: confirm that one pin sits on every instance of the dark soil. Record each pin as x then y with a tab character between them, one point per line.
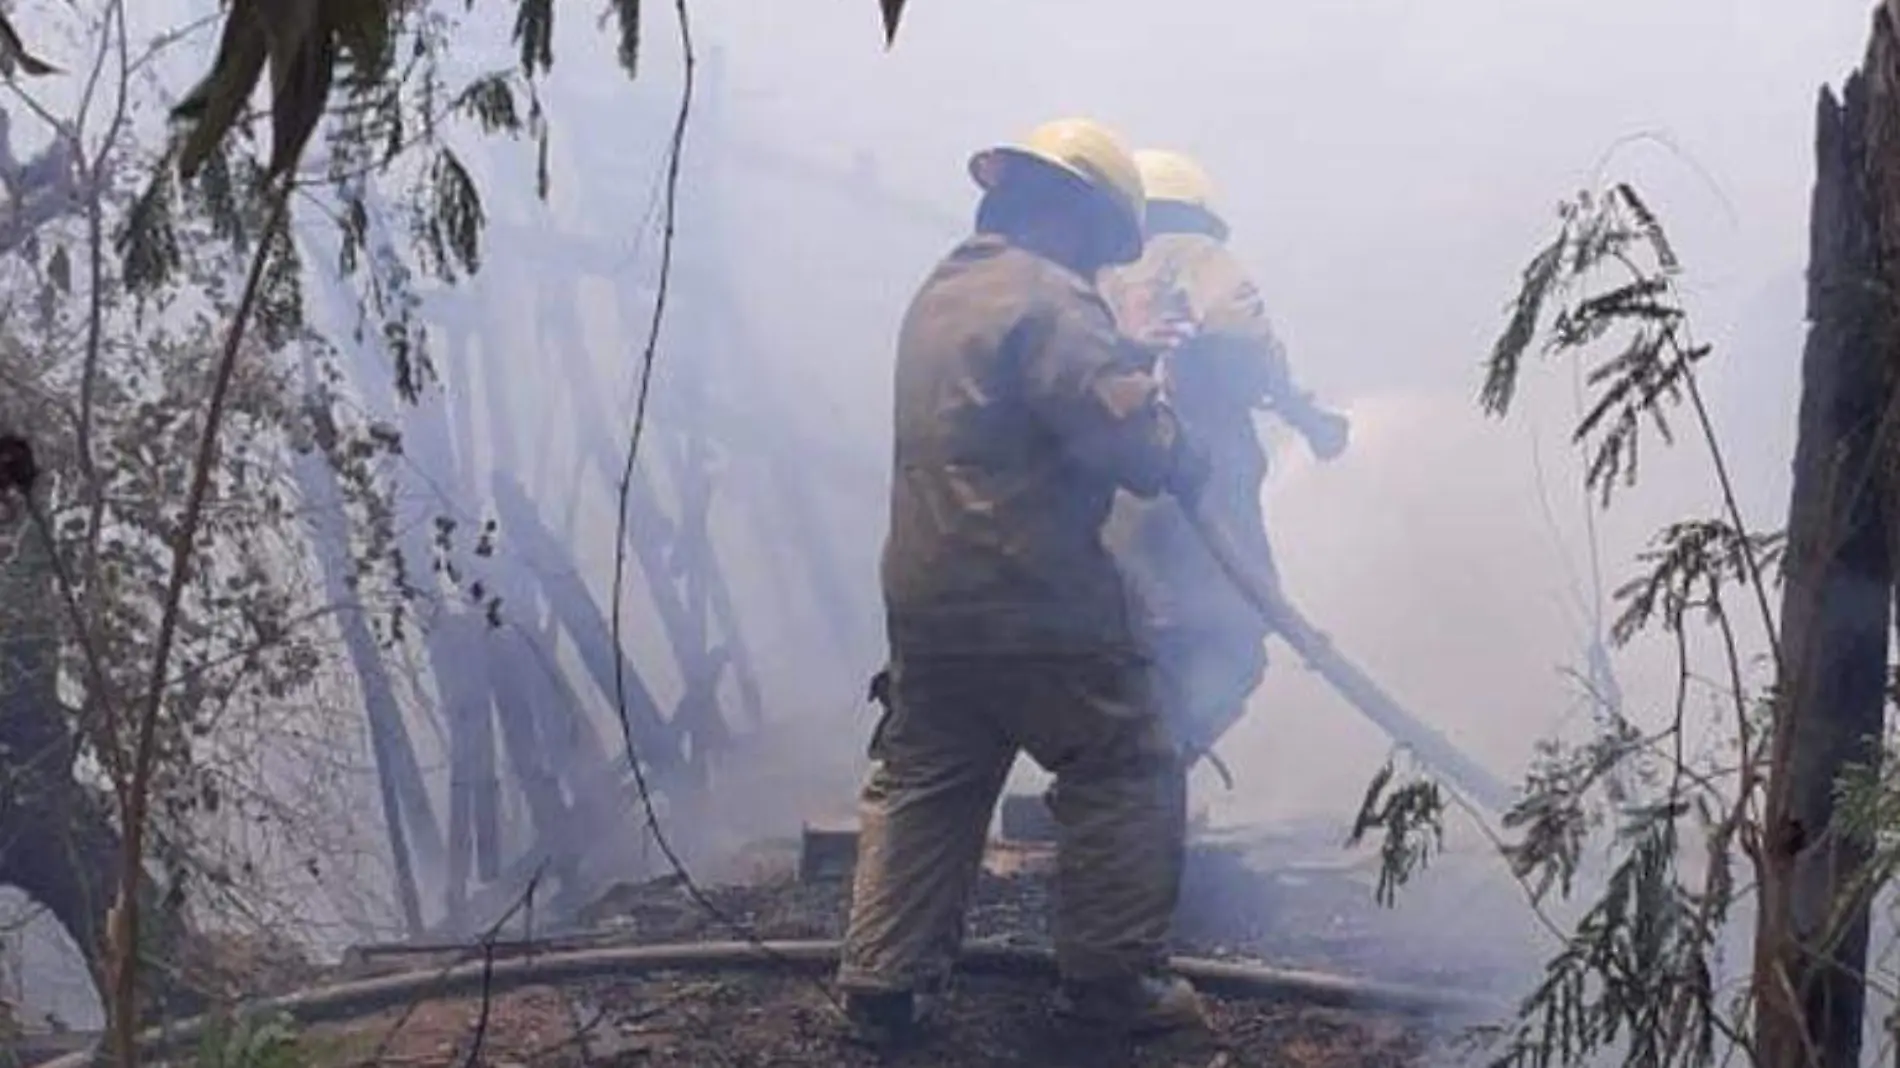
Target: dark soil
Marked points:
1323	921
759	1020
748	1020
1230	909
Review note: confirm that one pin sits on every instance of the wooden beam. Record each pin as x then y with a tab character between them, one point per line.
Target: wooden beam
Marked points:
585	624
518	713
407	811
654	539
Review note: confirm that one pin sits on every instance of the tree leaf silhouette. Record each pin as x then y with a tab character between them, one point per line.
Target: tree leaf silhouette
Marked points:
299	41
14	56
893	12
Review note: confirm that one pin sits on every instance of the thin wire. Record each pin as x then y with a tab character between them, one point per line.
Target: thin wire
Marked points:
657	833
485	946
1668	143
647	359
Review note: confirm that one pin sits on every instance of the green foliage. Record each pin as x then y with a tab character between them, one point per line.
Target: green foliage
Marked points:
263	1040
317	50
450	227
1635	972
1609	271
381	127
490	101
1694	563
303	43
119	356
295	41
1633	980
147	243
1558	812
135	335
340	59
1411	816
279	313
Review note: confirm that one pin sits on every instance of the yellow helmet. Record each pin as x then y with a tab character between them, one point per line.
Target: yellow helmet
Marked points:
1088	151
1174	177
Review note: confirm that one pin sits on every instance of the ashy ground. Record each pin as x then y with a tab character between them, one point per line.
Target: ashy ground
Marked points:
1249	904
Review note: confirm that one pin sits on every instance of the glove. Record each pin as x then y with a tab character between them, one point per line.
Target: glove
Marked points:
1192	469
1160	320
1326	433
1168	334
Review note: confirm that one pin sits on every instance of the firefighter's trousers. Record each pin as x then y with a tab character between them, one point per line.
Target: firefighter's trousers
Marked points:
940	754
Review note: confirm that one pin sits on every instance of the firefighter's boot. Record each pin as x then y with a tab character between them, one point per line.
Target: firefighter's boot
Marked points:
1147	1005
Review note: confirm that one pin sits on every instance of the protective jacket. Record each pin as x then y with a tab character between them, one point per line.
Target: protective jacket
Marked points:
1213	382
1020	410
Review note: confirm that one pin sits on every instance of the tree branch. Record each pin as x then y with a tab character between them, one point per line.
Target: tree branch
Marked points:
122	927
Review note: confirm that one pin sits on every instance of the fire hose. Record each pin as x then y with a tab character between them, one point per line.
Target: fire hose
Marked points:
364	997
1465	775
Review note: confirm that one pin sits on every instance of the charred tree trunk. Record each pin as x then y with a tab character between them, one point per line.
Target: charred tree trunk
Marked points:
1811	940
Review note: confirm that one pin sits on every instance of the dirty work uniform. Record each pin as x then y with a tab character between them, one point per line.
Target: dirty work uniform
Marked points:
1020	411
1209	640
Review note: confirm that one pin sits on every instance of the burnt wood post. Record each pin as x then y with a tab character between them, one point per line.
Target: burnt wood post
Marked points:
470	708
521	708
1811	939
407	811
586	626
426	441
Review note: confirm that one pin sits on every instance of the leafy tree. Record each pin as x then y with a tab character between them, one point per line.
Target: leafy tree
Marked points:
119	300
1637	973
148	427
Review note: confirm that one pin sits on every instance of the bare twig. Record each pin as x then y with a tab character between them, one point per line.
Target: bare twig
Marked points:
93	175
93	76
123	930
488	998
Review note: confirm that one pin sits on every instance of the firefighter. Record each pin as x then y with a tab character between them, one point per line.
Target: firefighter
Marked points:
1209	641
1021	411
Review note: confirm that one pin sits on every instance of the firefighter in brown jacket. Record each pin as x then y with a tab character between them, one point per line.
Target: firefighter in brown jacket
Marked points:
1020	413
1208	639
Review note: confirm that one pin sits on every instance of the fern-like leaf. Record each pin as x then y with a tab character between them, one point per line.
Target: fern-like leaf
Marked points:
628	48
1507	354
14	54
147	242
490	101
893	11
534	33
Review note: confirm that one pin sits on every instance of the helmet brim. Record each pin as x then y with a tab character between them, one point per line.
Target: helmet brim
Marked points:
1176	215
993	166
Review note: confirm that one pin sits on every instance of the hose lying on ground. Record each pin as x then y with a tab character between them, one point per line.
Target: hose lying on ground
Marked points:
366	997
